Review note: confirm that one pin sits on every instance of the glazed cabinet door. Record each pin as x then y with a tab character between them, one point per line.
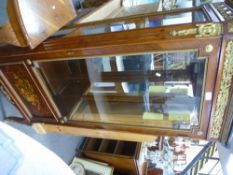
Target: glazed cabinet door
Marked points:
22	86
152	74
166	89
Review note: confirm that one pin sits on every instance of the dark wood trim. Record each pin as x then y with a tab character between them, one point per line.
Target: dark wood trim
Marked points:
152	39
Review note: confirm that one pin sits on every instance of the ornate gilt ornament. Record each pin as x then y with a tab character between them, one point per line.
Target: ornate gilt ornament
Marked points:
201	30
223	95
27	91
209	48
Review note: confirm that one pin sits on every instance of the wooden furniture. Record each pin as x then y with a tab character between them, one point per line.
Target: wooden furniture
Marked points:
32	21
162	73
122	155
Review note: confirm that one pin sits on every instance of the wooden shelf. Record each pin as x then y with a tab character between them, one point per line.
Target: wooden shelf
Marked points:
123	155
107	146
126	148
93	144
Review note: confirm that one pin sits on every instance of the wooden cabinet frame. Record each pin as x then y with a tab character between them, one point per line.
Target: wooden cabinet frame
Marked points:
205	37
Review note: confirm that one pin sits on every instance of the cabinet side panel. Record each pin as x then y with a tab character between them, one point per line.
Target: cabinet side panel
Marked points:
21	81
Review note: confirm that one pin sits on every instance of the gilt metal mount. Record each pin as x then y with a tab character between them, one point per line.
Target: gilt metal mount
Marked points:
201	30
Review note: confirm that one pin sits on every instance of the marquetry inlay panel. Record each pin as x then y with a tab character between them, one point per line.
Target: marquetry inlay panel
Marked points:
23	84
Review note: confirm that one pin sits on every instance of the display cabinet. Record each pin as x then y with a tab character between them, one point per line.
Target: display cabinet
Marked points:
163	72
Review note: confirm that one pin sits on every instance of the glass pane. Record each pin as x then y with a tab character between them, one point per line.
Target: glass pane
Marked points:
130	3
177	4
145	22
154	89
168	4
165	4
136	7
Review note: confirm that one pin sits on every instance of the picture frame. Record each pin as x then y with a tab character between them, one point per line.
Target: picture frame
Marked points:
92	167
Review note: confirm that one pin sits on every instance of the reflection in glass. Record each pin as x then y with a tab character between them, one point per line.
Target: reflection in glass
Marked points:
167	4
153	89
130	3
177	4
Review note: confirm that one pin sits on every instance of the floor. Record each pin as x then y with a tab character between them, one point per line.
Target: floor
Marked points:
226	159
226	155
63	145
3	16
